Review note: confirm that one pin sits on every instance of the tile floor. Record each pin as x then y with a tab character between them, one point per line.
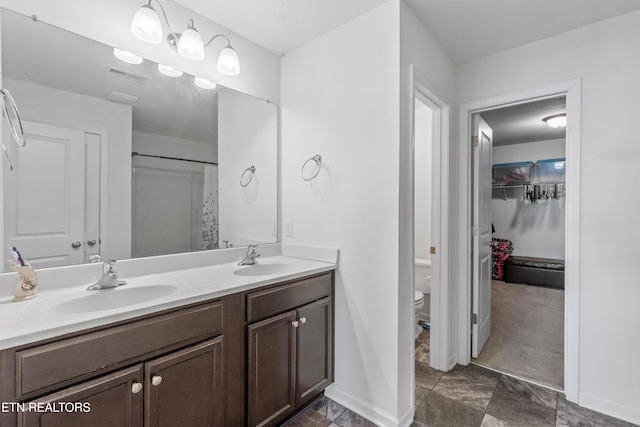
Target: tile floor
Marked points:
468	396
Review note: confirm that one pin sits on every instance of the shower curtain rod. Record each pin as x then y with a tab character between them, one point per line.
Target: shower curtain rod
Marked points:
135	153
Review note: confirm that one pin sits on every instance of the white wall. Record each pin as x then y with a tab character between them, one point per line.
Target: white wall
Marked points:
536	229
163	145
340	100
341	94
437	72
605	56
109	22
247	136
52	106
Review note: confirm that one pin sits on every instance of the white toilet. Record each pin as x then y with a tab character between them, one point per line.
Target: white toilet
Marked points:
419	303
422	292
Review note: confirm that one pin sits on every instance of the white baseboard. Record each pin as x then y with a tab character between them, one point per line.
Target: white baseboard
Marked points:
376	415
607	407
424	317
453	360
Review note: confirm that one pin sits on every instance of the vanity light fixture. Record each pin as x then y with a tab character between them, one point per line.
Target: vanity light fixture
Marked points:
127	57
204	83
556	121
146	26
169	71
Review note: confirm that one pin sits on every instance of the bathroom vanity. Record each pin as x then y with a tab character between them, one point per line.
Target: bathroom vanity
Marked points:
250	355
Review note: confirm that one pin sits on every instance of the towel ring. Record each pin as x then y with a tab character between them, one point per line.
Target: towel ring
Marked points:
13	117
251	170
318	160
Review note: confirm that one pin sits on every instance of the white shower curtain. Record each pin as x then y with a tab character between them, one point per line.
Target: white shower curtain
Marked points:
210	208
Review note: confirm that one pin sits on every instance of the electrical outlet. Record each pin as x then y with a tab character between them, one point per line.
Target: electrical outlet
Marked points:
274	228
288	228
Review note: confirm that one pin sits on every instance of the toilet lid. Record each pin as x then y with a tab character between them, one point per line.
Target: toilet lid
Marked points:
418	296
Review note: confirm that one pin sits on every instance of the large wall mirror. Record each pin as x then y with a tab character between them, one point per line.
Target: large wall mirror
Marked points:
123	160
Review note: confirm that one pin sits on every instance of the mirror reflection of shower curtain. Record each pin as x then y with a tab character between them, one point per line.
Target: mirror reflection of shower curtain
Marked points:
210	208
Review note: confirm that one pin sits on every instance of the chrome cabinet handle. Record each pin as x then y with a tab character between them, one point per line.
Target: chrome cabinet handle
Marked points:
295	323
91	242
303	320
136	388
156	380
76	244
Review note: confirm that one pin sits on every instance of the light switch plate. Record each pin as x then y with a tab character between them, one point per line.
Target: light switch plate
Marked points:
288	228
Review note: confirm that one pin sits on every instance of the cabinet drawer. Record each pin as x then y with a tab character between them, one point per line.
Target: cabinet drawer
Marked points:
279	299
52	366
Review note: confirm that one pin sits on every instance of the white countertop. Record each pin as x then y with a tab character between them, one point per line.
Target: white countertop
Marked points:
48	315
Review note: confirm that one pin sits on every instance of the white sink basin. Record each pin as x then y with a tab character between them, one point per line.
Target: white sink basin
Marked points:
264	269
109	299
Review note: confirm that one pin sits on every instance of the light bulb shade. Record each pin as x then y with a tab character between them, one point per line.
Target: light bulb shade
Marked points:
127	57
190	44
204	83
556	121
146	25
228	62
169	71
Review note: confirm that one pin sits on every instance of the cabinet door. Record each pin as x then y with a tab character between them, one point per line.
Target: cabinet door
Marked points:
185	388
315	349
272	366
110	401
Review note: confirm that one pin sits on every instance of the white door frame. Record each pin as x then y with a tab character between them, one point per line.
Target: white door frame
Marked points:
572	90
440	296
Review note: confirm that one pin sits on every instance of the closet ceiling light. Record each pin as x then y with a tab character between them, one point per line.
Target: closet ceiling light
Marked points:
127	57
147	26
556	121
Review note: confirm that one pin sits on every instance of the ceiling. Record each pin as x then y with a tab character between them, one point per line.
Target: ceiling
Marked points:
466	29
523	122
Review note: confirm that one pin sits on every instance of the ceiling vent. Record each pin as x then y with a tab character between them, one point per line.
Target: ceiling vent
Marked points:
121	98
125	75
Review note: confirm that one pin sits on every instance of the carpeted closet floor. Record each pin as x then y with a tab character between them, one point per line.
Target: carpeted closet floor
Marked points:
527	333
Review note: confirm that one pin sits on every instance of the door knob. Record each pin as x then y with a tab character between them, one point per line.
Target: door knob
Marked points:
295	323
91	242
76	244
136	388
156	380
303	320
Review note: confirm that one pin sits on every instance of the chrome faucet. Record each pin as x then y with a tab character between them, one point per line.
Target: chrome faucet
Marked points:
250	257
109	277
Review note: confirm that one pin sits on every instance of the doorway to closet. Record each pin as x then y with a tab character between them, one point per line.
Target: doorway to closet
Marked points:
519	241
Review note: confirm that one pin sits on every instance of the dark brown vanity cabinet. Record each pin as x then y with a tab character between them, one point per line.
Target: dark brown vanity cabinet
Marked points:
250	358
290	354
110	403
182	387
165	369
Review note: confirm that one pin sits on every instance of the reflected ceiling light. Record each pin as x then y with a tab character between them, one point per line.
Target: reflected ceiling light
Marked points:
127	57
556	121
146	26
169	71
204	83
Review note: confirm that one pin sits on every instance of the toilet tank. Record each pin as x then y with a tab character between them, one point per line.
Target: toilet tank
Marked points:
422	271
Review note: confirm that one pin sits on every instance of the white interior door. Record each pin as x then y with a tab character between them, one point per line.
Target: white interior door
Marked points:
44	196
481	315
